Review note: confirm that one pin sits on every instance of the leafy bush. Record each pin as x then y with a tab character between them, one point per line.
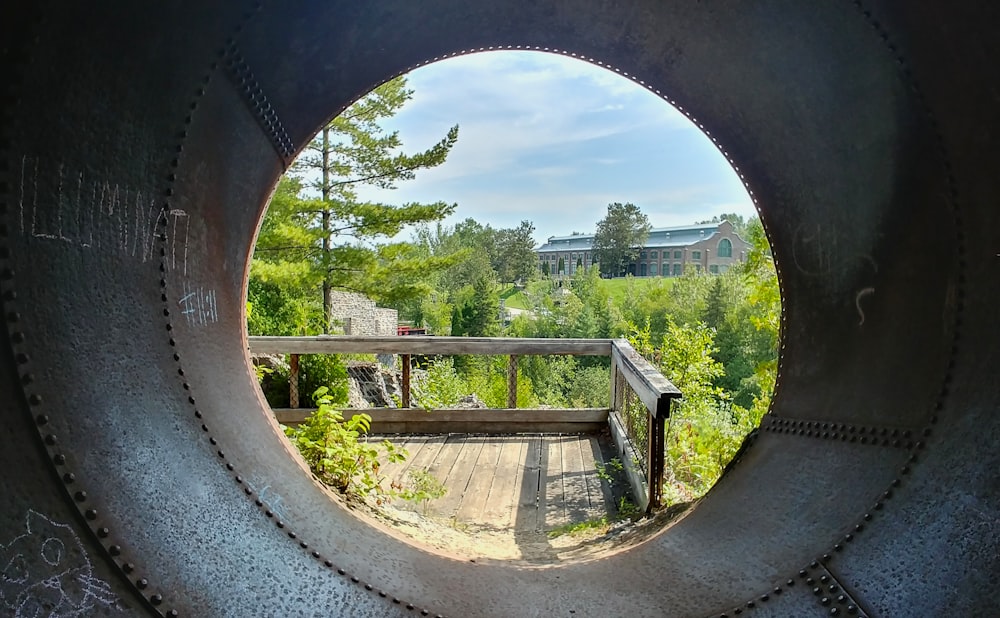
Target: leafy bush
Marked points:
422	487
441	387
336	454
315	371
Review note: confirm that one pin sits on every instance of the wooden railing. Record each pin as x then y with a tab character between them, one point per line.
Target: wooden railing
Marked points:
639	401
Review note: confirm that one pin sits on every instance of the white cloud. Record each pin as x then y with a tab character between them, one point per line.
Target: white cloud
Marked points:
554	140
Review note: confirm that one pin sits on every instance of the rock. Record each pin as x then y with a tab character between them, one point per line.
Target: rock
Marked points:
366	386
470	401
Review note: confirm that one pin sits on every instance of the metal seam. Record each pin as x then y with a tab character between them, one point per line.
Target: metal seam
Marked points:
870	435
242	78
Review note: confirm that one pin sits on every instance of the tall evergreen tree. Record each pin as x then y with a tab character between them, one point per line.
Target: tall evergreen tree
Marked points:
333	240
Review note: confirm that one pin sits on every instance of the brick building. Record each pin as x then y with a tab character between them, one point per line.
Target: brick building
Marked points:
668	252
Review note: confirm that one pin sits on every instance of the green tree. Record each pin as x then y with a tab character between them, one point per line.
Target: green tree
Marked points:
319	235
739	223
513	256
477	310
562	267
619	236
545	268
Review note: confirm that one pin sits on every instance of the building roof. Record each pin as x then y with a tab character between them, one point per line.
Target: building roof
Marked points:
660	237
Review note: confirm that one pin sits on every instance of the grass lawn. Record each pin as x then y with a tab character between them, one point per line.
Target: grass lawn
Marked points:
616	287
513	298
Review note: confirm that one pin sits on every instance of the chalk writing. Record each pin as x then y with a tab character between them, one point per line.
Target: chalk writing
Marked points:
199	306
97	214
46	572
271	498
857	303
180	215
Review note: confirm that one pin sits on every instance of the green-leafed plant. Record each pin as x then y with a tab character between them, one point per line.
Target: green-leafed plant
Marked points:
422	487
336	453
441	387
609	471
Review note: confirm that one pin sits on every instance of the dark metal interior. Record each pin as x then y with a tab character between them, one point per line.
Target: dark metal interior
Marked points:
138	145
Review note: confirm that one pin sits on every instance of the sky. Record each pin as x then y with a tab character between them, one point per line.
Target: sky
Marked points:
554	140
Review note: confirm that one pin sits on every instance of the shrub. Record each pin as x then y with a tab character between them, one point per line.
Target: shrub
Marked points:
336	454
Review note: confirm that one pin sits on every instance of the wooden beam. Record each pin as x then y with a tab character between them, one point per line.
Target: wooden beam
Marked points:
469	420
429	346
653	389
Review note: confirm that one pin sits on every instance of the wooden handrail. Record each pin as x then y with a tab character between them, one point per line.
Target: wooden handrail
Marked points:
627	366
656	392
429	346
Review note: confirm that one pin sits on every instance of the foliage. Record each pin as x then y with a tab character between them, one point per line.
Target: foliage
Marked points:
324	371
739	223
609	471
701	434
334	451
476	311
619	236
441	386
588	527
422	487
318	236
274	309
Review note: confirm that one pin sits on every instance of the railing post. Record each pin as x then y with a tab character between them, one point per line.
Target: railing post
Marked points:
293	380
656	454
512	381
405	388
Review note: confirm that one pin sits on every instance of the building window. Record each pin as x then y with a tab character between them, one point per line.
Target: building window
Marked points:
725	248
696	255
677	255
642	255
677	270
652	269
652	254
713	269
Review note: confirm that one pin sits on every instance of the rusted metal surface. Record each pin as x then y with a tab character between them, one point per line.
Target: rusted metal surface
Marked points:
139	143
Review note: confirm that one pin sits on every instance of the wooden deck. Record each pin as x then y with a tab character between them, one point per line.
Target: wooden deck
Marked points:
527	484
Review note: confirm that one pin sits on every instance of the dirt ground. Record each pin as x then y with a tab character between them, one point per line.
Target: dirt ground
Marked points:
467	541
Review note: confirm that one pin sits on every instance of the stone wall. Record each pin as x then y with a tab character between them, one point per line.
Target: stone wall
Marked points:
359	315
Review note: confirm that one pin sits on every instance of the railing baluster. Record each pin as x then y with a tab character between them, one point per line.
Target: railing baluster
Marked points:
512	381
405	388
293	380
656	454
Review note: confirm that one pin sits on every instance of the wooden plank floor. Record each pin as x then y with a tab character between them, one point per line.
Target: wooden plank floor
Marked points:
526	484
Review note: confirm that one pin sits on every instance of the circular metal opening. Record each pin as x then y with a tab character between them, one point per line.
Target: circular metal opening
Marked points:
821	116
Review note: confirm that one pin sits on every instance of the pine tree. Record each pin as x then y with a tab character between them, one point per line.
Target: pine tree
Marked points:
318	235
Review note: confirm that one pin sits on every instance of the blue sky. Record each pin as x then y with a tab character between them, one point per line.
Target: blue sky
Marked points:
553	140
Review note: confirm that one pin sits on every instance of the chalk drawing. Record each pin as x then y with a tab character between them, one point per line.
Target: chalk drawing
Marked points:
199	306
98	214
46	572
271	498
857	303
